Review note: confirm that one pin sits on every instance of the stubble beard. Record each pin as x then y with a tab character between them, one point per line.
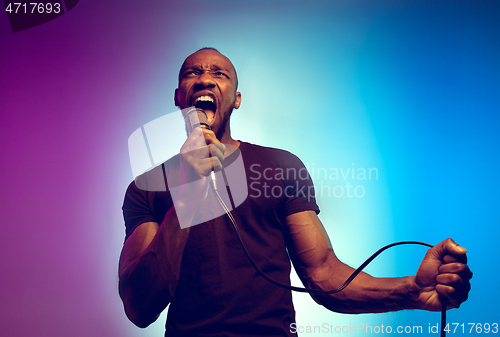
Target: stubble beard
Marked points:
223	127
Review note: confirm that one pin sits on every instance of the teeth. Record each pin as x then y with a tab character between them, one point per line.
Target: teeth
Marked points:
204	98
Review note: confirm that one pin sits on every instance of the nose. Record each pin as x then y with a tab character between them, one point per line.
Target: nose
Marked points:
205	80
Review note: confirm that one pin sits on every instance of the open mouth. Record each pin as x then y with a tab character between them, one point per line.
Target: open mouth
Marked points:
207	104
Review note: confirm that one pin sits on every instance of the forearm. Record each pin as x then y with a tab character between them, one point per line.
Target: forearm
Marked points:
365	294
442	273
148	281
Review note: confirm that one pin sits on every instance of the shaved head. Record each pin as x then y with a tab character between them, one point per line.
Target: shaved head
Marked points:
215	51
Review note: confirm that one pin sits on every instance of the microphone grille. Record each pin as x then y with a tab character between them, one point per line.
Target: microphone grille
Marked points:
196	117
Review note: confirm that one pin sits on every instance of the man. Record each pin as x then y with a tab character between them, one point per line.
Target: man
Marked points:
202	271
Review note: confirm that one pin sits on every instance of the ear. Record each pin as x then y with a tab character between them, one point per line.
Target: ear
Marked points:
176	97
237	101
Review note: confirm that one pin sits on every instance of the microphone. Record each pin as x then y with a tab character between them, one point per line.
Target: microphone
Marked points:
197	117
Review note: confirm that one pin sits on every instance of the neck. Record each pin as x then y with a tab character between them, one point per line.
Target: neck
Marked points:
228	140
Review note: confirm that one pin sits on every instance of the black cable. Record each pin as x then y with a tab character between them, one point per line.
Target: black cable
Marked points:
318	291
443	317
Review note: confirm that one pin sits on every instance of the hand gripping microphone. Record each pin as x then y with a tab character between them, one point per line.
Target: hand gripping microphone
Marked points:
196	117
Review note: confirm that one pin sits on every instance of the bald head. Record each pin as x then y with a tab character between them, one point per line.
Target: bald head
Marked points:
206	52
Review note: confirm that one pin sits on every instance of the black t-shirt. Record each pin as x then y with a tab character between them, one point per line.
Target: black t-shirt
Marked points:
219	293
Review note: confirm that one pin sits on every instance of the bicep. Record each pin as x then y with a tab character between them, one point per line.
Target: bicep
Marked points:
308	244
137	243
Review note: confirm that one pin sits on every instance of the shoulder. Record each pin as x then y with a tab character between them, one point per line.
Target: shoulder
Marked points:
266	152
155	179
269	154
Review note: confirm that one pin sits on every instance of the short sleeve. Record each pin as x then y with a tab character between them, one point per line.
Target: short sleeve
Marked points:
299	188
136	208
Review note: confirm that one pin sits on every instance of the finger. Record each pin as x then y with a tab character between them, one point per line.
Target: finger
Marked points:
454	267
446	247
210	137
451	247
221	147
198	153
458	269
209	164
195	140
455	258
454	280
453	297
216	151
210	158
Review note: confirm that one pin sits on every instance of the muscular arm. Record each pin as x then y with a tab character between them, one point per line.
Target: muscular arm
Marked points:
151	257
318	267
149	268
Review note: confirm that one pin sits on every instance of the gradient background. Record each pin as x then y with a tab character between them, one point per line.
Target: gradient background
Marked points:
409	88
